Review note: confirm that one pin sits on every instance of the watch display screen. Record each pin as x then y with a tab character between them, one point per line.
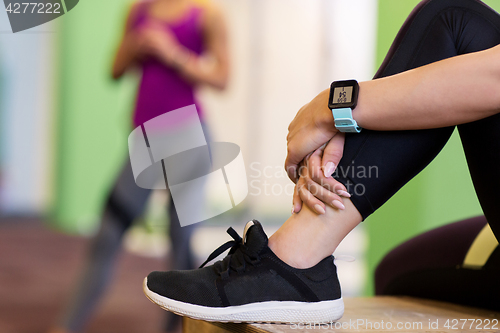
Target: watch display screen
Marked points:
342	95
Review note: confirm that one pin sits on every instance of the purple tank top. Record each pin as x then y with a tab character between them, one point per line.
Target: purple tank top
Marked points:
161	88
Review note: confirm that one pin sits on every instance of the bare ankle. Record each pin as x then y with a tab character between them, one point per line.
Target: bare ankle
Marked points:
296	259
307	238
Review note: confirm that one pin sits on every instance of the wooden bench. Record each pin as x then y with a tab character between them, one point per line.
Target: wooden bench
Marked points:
375	314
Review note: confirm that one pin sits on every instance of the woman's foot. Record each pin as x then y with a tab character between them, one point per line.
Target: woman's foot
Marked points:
250	285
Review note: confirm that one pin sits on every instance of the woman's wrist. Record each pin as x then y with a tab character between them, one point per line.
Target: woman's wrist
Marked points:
359	110
324	116
179	57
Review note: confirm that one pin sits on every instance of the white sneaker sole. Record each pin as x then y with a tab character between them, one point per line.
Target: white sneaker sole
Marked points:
263	312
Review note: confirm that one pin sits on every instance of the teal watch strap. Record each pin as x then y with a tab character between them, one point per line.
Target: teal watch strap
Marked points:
344	121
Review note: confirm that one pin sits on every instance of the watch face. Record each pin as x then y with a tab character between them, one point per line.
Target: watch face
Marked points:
343	94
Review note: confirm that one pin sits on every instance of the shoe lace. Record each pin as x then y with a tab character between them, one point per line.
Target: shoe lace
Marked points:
238	257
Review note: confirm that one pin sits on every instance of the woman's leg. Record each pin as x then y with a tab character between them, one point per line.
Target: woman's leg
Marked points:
124	204
182	256
481	143
180	238
377	164
435	30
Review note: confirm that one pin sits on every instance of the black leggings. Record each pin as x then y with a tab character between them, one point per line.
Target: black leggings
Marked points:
435	30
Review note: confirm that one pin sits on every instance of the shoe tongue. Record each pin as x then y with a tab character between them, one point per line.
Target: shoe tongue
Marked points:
254	236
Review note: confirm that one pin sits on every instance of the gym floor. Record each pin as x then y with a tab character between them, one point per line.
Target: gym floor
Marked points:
38	268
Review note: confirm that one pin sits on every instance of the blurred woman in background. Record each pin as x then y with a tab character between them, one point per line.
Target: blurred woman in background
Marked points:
178	45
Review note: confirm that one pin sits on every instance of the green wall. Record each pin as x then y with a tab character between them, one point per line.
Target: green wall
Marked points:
93	114
442	193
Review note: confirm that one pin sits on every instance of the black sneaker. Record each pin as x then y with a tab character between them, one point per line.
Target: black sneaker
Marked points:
251	284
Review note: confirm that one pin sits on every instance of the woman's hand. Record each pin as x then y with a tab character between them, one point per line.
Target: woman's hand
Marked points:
162	44
312	127
316	186
131	49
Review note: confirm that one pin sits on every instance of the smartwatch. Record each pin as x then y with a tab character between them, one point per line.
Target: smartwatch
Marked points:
343	99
